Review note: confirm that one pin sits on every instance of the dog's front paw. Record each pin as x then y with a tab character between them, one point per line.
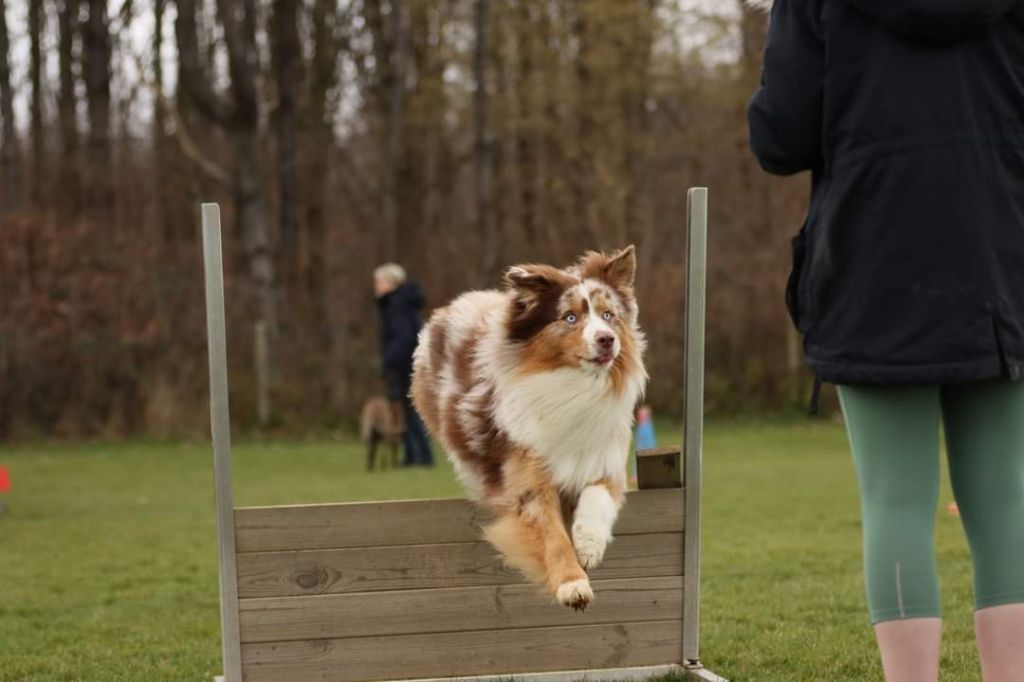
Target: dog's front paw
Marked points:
590	545
575	593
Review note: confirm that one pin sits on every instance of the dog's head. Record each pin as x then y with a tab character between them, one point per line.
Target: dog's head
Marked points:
582	317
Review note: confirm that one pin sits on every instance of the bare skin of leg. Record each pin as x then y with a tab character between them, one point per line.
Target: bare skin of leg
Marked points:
1000	634
910	649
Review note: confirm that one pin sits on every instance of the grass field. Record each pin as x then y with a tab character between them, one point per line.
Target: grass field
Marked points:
108	559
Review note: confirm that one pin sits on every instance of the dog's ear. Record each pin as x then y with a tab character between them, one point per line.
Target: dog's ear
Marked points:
536	290
533	280
616	269
620	270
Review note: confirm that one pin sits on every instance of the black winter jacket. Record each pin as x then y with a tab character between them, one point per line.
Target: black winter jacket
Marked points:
400	324
910	116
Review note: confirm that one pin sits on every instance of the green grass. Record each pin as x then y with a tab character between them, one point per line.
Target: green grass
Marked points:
108	559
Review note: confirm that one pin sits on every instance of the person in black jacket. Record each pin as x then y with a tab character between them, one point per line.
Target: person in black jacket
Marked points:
399	303
908	285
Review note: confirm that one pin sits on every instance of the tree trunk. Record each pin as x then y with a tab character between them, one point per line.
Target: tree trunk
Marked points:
484	156
585	180
35	75
391	48
67	105
287	70
240	119
164	209
8	136
396	95
96	73
526	147
320	113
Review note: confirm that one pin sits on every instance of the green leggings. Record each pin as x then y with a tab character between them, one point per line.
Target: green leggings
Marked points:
894	434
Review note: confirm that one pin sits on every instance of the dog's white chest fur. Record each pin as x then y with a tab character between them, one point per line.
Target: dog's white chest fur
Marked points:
572	420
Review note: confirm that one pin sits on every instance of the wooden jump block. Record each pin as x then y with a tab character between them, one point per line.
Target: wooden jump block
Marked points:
659	468
408	590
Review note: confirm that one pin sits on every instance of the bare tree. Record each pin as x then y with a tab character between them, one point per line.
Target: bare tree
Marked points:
96	74
238	113
516	129
67	103
35	75
8	136
328	28
391	51
287	57
484	148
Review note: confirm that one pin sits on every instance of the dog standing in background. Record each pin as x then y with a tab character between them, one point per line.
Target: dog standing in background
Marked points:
532	390
381	420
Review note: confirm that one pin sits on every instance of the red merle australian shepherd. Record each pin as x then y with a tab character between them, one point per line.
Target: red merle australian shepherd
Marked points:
532	390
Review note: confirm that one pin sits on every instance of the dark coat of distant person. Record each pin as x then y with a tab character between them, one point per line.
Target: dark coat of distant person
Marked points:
400	322
910	116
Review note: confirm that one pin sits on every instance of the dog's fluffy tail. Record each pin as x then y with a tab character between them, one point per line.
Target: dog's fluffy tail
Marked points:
518	546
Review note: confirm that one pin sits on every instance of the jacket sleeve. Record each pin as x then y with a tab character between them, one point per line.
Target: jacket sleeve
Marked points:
786	112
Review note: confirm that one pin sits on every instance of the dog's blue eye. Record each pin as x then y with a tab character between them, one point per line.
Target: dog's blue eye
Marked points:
608	315
570	318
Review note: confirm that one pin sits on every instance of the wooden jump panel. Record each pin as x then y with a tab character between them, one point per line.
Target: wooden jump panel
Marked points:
453	610
464	653
331	526
417	567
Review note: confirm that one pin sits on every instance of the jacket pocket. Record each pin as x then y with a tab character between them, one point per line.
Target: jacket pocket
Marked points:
793	284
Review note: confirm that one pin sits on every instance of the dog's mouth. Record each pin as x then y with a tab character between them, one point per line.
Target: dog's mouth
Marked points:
602	359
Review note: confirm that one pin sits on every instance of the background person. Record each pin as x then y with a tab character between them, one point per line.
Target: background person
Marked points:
908	284
399	304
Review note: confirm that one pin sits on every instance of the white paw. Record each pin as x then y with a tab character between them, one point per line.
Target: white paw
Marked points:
575	593
590	545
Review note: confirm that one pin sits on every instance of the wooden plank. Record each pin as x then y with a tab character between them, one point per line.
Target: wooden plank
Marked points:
453	610
659	468
484	652
220	427
327	526
635	674
417	567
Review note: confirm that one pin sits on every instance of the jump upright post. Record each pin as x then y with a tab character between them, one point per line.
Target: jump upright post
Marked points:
409	591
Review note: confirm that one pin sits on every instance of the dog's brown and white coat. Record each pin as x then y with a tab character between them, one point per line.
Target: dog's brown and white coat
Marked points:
532	390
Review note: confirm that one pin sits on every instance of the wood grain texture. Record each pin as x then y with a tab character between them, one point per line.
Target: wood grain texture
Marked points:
415	567
464	653
453	610
329	526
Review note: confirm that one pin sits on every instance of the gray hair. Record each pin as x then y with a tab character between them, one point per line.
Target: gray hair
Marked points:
390	272
765	5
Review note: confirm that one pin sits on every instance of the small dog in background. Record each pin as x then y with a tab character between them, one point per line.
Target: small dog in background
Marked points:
381	421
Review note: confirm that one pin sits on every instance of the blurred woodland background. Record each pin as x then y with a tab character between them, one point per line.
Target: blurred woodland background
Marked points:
454	136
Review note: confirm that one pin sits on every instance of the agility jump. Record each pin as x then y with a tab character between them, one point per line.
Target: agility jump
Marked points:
409	591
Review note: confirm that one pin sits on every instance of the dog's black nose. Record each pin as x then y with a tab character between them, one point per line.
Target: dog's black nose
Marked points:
605	340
